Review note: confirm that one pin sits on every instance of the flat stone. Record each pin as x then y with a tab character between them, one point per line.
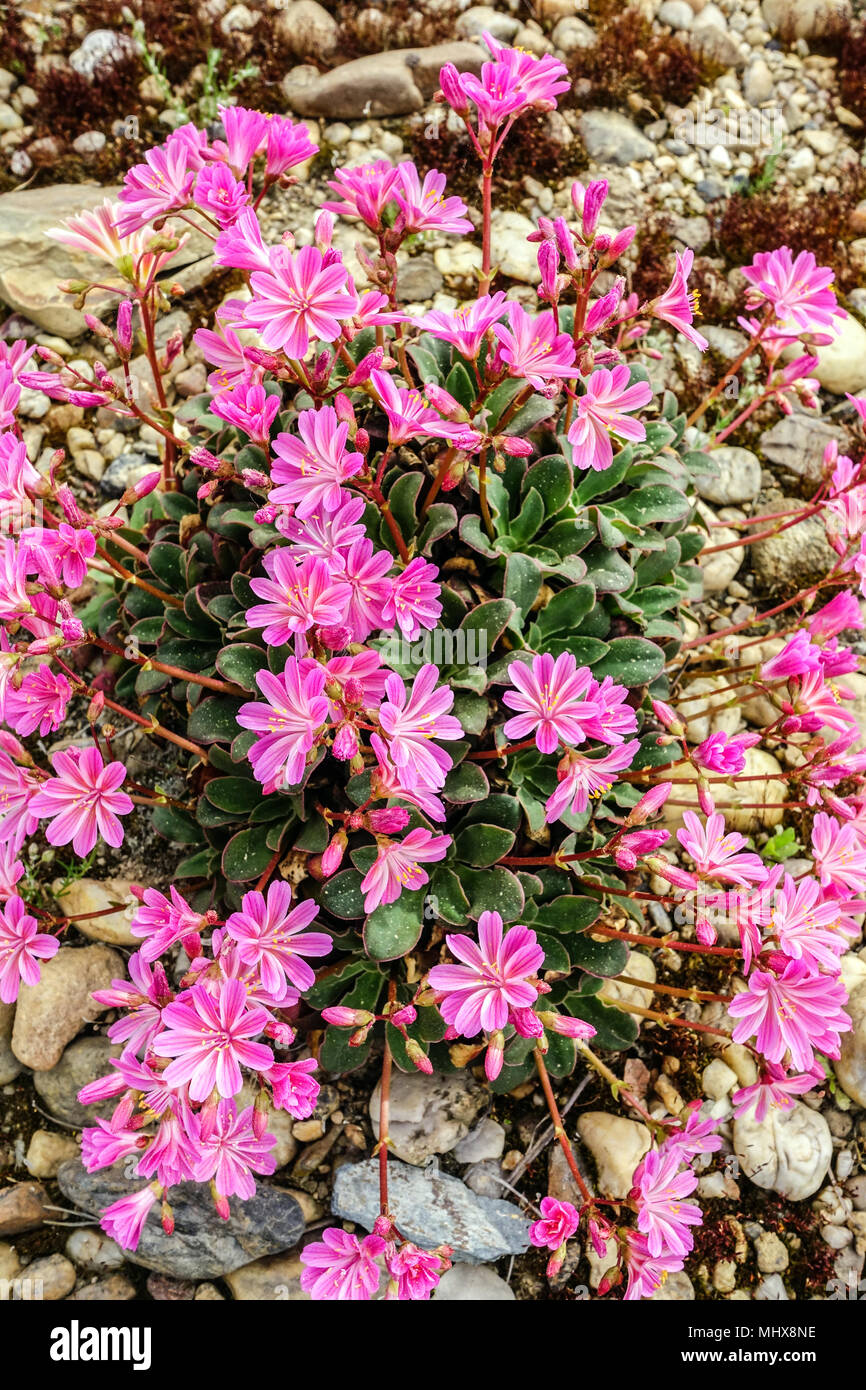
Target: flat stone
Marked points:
381	84
432	1209
737	477
203	1246
85	895
472	1284
276	1277
82	1062
617	1145
797	442
674	1288
9	1064
611	138
788	1153
115	1289
51	1013
22	1208
842	363
429	1114
486	1141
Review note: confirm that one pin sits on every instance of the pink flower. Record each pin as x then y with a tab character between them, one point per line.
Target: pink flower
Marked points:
301	297
495	976
467	326
414	600
220	194
241	246
415	1271
552	698
108	1141
798	290
663	1216
533	347
798	656
425	208
83	800
229	1151
721	753
796	1012
774	1090
21	946
327	536
558	1223
246	131
365	574
208	1034
646	1272
311	474
142	998
289	722
164	921
695	1136
250	409
11	869
839	853
603	411
716	854
341	1266
410	723
293	1088
364	191
124	1219
73	547
806	924
580	778
271	937
398	866
410	415
17	788
299	595
678	306
614	718
40	703
164	183
287	145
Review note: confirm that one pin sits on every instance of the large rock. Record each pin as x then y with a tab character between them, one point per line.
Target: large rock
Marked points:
746	806
850	1068
32	263
789	1152
842	363
515	256
472	1284
794	558
617	1145
110	897
306	29
203	1246
737	477
51	1013
804	19
429	1114
432	1209
797	443
9	1064
82	1062
611	138
22	1208
381	84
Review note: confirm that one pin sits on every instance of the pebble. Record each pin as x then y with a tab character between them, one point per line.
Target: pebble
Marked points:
486	1141
53	1276
772	1254
794	558
472	1284
771	1290
431	1208
115	1289
88	895
22	1208
46	1151
52	1012
788	1153
82	1062
94	1251
617	1145
737	478
276	1277
718	1080
429	1114
612	138
9	1064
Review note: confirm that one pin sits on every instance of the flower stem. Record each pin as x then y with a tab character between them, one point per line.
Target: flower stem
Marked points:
558	1126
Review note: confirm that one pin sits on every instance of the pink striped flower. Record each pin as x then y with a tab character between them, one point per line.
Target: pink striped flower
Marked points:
603	411
164	183
663	1216
293	1088
411	720
287	145
533	348
581	778
416	1272
208	1034
558	1223
83	800
839	854
219	193
40	702
21	946
553	700
398	866
364	191
289	722
646	1272
250	408
424	207
806	924
17	789
271	937
796	1013
678	305
413	603
716	854
341	1266
298	596
229	1151
311	474
411	416
797	288
775	1089
365	574
496	975
302	297
124	1219
467	326
722	753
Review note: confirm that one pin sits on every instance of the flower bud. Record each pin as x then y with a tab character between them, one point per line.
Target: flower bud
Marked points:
332	855
343	1017
705	931
495	1057
650	802
141	488
123	340
404	1017
668	717
418	1057
167	1218
451	87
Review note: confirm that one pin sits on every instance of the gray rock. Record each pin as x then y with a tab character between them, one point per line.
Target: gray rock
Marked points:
418	280
125	471
850	1068
677	13
797	443
381	84
94	1251
102	48
793	558
757	82
485	1179
727	342
572	34
52	1012
771	1290
788	1153
612	138
487	1140
694	233
432	1209
306	29
737	477
9	1064
676	1288
202	1246
477	18
804	19
82	1062
429	1114
89	142
472	1284
22	1208
115	1289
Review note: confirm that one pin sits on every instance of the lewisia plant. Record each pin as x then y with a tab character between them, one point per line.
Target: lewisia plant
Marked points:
403	601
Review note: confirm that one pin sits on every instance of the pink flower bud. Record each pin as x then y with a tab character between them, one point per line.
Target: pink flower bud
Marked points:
124	329
671	873
402	1018
668	717
254	477
705	800
527	1023
345	744
510	444
167	1218
650	802
705	932
593	201
495	1056
566	1025
451	86
620	243
267	515
343	1017
332	855
203	458
142	487
418	1057
389	821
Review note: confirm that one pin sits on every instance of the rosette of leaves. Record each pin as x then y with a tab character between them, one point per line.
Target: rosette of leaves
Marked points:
595	563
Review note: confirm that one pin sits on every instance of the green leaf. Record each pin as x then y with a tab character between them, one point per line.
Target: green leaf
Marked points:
615	1030
522	583
566	610
393	929
473	712
335	1054
630	661
402	499
493	890
451	903
607	570
201	865
236	794
240	664
176	826
482	845
167	563
654	503
568	913
553	479
593	484
528	519
487	621
598	957
555	955
464	783
537	408
215	720
342	896
246	856
459	383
